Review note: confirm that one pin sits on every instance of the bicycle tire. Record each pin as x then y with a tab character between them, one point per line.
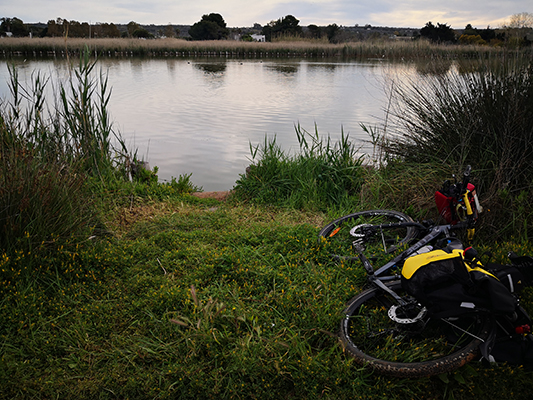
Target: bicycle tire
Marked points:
337	233
374	340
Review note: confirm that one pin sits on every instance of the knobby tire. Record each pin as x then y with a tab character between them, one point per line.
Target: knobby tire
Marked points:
370	336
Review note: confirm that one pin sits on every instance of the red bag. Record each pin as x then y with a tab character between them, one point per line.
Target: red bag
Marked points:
450	208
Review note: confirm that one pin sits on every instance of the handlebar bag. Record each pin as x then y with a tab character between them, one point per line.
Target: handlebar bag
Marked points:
446	201
446	285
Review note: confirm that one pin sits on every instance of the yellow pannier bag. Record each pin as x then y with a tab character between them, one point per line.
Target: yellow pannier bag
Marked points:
446	285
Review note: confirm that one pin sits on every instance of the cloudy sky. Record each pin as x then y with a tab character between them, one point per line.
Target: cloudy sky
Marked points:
240	13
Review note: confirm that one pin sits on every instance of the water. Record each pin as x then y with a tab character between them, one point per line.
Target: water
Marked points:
200	116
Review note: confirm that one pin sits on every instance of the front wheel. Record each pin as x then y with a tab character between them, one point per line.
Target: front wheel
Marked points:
403	340
339	237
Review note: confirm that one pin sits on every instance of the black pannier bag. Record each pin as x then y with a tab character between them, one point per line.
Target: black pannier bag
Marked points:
446	285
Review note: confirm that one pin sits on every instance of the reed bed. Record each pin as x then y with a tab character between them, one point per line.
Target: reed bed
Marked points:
50	149
381	49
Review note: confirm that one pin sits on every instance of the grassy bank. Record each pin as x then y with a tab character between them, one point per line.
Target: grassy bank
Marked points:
196	299
392	50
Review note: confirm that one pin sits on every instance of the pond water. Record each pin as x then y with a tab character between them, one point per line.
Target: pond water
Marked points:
200	116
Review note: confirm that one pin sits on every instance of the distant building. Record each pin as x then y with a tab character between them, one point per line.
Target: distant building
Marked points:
258	38
396	37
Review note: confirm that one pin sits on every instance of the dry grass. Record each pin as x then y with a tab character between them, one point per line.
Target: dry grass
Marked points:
156	46
383	49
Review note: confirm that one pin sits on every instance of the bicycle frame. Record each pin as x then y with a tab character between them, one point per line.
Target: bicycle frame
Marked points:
434	233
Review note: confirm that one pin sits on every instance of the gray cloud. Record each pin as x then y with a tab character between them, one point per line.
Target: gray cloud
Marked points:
410	13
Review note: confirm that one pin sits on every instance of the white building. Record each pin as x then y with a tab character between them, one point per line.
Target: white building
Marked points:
258	38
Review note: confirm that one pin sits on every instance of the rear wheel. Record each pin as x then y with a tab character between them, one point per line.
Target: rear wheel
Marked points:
339	238
403	340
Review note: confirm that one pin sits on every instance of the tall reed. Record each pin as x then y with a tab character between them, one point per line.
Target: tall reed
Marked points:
322	175
482	117
49	149
382	49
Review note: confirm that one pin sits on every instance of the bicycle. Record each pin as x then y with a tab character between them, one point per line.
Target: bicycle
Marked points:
385	327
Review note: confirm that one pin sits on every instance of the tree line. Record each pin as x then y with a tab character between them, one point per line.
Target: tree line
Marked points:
62	27
212	26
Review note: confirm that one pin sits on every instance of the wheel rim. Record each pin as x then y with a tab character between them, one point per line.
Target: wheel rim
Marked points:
339	240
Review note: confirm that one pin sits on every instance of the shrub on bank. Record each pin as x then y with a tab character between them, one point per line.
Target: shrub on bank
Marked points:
481	117
321	176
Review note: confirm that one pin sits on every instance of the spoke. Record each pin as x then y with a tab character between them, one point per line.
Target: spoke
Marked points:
462	330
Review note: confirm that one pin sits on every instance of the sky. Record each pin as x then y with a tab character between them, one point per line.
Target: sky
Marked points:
244	13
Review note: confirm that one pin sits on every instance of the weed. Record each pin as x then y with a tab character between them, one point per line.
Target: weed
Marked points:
382	49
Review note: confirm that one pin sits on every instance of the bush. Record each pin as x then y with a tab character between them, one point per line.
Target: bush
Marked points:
480	117
321	176
46	157
40	201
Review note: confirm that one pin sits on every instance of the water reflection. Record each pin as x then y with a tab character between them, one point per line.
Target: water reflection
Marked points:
284	69
437	67
212	68
200	116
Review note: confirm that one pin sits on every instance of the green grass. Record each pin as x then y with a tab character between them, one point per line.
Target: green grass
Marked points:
322	175
193	300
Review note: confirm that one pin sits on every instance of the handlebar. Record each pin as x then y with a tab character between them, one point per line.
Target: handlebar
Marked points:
466	174
466	179
458	189
467	224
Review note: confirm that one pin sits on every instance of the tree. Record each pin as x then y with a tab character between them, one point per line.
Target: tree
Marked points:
106	30
521	20
470	33
14	26
142	33
441	33
210	27
519	29
169	32
54	28
286	26
331	31
132	27
314	31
